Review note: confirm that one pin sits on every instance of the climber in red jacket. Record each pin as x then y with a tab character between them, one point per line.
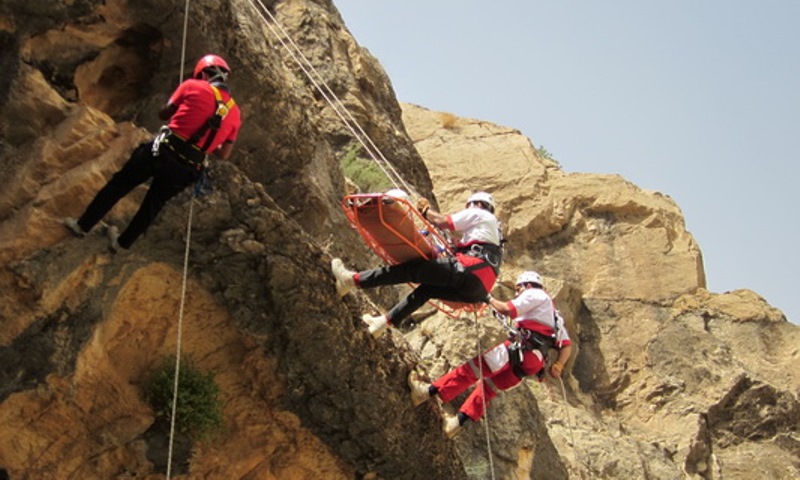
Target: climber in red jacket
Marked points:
203	120
537	327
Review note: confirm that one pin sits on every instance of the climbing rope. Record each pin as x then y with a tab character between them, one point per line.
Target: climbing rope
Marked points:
335	103
329	95
183	40
180	334
183	281
374	152
339	109
578	453
566	411
483	396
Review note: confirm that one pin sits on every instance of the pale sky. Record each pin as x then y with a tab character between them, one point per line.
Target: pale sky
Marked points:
699	100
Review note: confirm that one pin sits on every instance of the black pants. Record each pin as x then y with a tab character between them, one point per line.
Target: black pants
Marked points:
443	278
170	177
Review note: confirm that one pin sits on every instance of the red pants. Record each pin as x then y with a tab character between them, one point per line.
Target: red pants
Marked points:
459	379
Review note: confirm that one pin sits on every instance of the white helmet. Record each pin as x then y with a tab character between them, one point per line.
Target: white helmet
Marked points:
397	193
484	198
529	277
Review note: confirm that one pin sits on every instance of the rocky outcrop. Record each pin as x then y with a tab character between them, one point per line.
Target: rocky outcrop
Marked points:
667	379
659	358
596	232
82	328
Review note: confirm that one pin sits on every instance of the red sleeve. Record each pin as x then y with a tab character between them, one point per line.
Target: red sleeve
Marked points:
512	308
178	94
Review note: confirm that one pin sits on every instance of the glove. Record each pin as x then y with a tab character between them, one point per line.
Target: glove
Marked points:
555	370
423	205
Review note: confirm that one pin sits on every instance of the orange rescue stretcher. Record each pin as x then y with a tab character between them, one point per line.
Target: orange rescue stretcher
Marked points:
398	233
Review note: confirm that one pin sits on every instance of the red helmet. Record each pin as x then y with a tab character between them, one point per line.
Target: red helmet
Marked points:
210	60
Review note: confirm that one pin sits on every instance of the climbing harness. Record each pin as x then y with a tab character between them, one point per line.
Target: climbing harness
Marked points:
529	341
523	339
492	255
187	149
214	121
162	134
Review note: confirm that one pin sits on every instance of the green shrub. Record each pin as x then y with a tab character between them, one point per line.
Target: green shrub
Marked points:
542	152
365	173
199	406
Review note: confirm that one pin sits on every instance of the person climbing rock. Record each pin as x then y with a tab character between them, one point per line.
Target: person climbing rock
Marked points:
203	119
536	328
468	276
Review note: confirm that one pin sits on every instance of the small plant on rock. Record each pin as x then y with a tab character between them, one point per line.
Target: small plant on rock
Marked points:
199	406
363	172
542	152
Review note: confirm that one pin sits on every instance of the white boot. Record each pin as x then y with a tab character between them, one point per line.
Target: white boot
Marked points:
73	227
345	281
451	425
113	239
377	325
420	391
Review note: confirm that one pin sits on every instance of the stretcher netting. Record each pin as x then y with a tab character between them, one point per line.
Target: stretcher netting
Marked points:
398	233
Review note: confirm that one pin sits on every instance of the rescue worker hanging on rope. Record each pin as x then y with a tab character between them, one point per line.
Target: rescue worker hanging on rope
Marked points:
466	277
536	328
203	119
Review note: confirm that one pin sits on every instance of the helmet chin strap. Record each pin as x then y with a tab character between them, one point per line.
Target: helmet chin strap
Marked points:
215	75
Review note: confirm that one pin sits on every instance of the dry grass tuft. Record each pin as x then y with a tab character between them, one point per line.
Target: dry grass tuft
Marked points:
448	120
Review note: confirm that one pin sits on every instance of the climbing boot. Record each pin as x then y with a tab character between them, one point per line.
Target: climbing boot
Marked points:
377	324
420	391
345	281
451	425
73	227
113	239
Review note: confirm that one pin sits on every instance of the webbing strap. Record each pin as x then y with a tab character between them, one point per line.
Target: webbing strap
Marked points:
478	266
516	356
483	251
214	121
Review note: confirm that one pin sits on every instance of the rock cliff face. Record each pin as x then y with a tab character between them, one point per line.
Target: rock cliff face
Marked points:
668	380
660	358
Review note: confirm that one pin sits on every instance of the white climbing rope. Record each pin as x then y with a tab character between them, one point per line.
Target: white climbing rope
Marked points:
578	453
341	111
294	51
483	396
328	94
180	334
183	40
183	282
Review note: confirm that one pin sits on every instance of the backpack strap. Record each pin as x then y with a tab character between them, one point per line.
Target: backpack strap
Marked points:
214	121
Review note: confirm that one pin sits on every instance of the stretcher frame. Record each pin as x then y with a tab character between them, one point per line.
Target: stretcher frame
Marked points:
396	231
